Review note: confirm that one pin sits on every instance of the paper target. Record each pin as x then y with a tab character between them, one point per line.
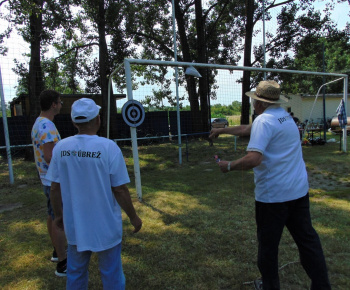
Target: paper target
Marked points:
133	113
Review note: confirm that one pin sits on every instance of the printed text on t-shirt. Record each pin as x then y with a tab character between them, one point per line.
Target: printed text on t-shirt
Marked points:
283	119
80	153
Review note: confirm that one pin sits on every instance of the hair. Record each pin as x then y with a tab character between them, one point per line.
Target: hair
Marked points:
47	97
86	125
266	104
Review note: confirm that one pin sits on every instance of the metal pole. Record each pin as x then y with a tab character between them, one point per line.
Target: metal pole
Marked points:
230	67
133	134
313	106
264	34
324	97
177	87
109	98
6	131
346	79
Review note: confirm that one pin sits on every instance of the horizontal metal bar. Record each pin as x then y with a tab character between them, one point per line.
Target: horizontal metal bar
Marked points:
165	136
17	146
230	67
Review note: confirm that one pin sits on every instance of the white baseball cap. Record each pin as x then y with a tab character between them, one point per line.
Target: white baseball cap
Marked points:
84	110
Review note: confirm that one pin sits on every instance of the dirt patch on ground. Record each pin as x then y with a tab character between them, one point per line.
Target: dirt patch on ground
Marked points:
319	179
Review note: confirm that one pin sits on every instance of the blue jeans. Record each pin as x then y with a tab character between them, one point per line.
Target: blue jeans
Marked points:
110	265
295	215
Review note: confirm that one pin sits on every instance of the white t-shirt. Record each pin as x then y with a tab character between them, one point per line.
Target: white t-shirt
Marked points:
282	175
87	167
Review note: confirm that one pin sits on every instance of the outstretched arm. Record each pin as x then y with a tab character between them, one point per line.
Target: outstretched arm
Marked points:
249	161
241	130
123	198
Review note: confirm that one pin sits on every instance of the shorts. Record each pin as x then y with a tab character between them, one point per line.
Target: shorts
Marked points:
49	207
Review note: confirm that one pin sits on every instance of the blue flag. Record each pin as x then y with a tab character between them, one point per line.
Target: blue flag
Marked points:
342	115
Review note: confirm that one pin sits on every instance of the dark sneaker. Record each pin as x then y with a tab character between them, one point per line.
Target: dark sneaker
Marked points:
54	257
258	284
61	268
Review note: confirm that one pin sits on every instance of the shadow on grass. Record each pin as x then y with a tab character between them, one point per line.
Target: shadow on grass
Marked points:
25	251
199	232
199	227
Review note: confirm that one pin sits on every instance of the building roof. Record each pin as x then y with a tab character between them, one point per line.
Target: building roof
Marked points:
306	96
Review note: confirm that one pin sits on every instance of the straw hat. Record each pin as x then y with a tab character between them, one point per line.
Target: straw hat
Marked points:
269	92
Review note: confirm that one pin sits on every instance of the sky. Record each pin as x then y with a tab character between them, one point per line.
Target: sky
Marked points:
17	47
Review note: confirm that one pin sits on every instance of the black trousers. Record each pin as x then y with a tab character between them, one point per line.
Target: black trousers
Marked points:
295	215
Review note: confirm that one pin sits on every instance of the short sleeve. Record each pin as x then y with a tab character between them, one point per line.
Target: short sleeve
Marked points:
53	172
260	136
117	167
49	133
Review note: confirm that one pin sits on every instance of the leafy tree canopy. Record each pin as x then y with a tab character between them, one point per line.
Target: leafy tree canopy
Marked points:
330	53
219	110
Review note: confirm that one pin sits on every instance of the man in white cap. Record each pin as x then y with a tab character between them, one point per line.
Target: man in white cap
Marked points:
281	187
89	177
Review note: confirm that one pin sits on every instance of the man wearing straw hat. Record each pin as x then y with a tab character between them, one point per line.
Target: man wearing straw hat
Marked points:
281	187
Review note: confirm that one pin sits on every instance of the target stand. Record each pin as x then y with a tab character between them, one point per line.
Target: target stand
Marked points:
134	115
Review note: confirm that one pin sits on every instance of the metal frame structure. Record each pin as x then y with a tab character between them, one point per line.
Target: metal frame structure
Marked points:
127	66
128	74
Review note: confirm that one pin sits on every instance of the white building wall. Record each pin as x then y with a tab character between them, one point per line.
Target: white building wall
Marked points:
301	107
294	105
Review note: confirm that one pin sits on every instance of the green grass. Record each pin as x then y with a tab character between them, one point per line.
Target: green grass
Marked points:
234	120
199	226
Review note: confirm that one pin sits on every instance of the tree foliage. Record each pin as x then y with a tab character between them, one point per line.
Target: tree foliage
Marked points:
204	35
36	21
298	45
92	37
219	110
333	48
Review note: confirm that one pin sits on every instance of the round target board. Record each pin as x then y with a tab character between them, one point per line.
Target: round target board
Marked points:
133	113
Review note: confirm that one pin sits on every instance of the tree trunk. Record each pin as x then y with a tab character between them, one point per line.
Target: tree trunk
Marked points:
103	59
36	82
191	84
247	61
201	50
